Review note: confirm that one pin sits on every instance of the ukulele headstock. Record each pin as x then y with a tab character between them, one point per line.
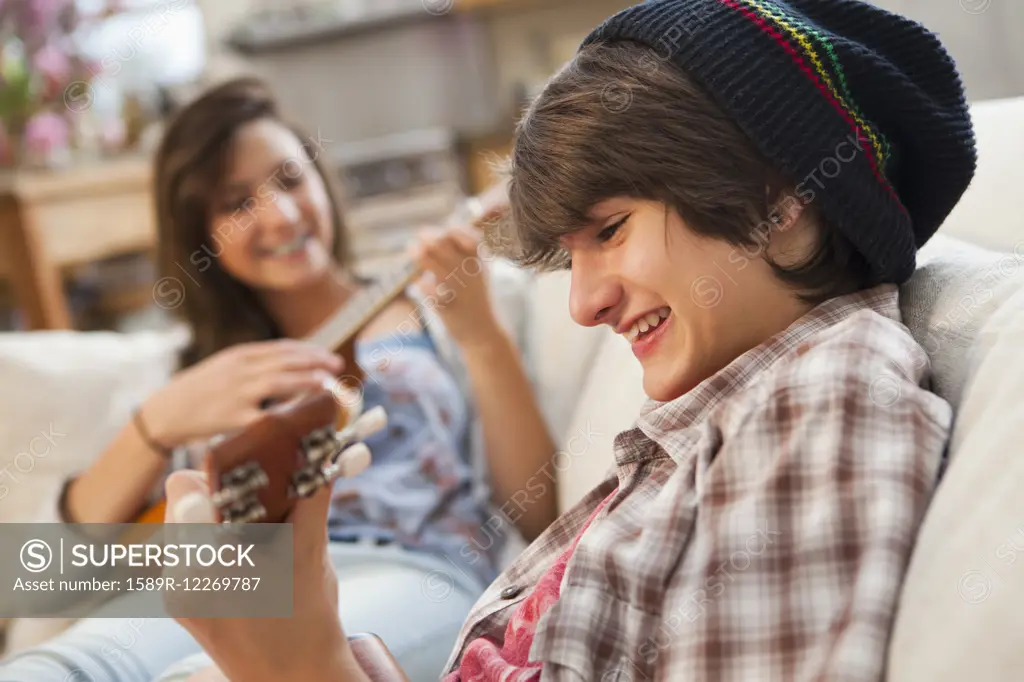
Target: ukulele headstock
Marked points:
258	473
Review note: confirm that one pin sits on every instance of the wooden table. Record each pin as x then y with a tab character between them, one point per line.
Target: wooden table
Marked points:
53	220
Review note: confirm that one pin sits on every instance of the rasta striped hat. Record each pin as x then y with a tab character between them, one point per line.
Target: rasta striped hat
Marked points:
863	109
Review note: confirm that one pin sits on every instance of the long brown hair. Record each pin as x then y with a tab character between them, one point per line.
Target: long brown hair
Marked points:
189	169
618	120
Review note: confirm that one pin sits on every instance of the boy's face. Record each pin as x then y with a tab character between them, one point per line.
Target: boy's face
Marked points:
687	304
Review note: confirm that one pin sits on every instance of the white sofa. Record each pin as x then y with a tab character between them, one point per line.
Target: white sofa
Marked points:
65	394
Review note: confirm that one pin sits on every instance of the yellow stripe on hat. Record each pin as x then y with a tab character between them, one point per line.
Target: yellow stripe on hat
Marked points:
788	25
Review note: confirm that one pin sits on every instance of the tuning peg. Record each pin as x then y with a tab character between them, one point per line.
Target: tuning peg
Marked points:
306	482
351	462
319	445
243	482
368	423
252	514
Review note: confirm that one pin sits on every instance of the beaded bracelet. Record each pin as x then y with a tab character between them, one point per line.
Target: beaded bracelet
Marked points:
140	426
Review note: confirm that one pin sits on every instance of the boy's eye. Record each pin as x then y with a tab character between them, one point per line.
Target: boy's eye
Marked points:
609	232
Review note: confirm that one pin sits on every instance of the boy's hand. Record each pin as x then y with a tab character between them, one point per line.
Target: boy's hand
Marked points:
311	645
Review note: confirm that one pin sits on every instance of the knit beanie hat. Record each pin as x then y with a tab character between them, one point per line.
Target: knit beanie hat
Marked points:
862	108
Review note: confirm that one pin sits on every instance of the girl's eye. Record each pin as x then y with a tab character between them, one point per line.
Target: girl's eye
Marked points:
290	181
609	232
235	204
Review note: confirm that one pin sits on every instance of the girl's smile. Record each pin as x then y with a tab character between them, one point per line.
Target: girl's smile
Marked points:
288	238
292	250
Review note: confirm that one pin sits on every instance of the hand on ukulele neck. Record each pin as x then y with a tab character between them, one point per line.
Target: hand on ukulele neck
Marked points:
491	204
353	373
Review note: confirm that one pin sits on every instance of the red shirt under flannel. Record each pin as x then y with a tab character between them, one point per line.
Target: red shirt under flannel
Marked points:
762	523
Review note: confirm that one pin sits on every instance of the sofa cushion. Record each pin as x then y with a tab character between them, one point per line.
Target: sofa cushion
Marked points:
963	595
951	295
561	352
987	214
67	395
609	402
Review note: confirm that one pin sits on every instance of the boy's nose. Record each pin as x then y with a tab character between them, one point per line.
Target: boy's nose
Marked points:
593	295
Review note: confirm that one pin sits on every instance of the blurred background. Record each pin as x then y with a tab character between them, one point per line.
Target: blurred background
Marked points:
410	99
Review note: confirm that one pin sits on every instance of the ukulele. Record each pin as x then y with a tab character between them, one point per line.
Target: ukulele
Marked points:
257	473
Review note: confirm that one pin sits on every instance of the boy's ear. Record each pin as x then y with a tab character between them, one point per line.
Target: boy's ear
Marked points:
786	212
784	207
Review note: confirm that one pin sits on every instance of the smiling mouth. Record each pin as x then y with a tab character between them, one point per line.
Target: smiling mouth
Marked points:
289	248
647	324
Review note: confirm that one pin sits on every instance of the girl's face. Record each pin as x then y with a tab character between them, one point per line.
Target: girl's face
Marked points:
271	221
687	304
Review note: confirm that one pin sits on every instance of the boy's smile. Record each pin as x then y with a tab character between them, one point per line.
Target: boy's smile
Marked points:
635	268
645	334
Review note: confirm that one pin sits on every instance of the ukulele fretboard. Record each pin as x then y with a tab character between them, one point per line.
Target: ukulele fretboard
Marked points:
363	306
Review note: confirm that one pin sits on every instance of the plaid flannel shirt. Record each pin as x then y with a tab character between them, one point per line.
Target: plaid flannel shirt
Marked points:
763	521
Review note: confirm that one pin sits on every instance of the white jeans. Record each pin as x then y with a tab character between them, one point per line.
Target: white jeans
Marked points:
415	603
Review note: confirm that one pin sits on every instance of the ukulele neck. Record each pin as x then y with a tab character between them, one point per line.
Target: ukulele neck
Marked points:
364	305
368	302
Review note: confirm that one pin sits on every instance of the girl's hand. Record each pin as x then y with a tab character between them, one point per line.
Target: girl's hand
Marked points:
454	282
311	645
226	391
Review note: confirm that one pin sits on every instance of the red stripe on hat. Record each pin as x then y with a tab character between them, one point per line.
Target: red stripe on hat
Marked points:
802	65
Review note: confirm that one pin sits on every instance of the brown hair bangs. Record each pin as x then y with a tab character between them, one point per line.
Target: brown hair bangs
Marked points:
618	120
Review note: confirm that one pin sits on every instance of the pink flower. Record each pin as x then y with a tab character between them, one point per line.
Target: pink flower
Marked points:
54	67
42	13
52	62
35	20
45	132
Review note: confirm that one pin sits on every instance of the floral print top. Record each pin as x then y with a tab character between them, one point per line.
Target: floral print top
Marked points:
419	490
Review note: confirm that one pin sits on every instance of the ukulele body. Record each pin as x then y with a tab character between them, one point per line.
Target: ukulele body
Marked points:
154	513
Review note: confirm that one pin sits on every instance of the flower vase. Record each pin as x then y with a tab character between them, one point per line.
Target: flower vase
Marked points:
12	145
10	151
